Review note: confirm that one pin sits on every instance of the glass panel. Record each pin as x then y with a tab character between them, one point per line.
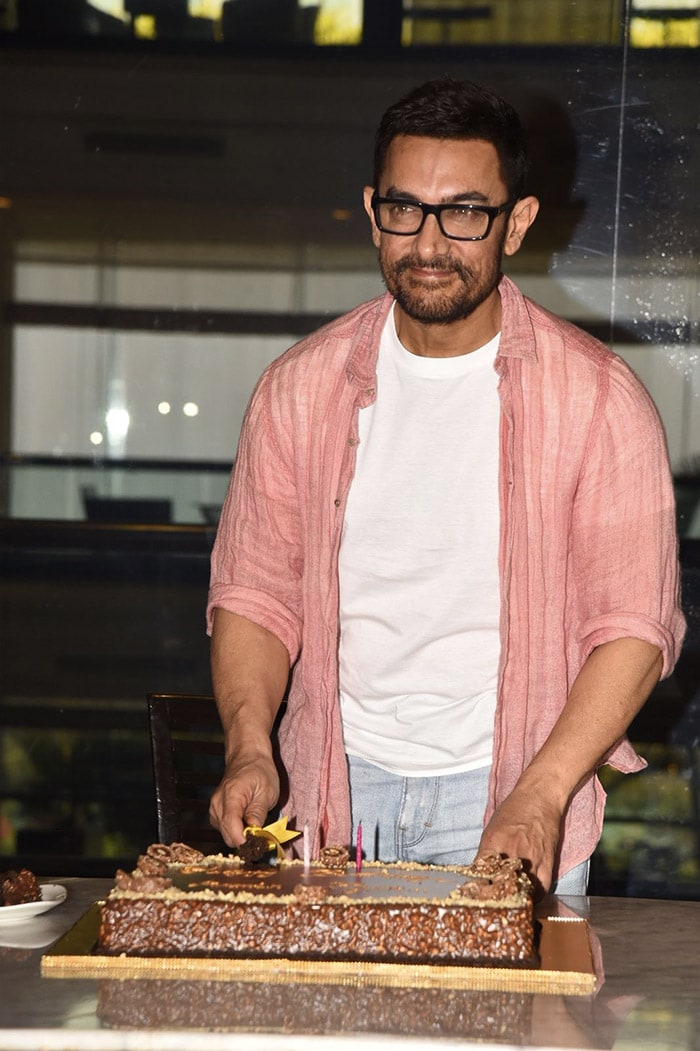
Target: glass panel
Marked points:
79	489
134	394
117	614
127	284
651	843
197	22
537	22
86	816
243	24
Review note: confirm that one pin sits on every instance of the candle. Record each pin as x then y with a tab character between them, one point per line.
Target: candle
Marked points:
307	848
358	849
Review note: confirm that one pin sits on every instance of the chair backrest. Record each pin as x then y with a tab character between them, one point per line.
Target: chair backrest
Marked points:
187	747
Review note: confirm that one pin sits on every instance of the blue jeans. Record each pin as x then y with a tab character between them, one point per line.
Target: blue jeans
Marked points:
429	820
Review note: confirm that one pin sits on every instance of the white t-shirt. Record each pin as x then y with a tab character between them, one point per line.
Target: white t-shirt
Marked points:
419	583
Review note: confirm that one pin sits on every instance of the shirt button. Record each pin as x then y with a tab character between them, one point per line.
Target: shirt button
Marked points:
336	502
351	441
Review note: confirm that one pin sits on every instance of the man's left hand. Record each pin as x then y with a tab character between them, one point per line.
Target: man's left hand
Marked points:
526	826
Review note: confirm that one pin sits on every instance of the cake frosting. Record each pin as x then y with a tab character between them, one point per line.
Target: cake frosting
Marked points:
178	902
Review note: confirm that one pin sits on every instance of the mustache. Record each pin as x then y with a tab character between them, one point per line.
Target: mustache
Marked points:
439	263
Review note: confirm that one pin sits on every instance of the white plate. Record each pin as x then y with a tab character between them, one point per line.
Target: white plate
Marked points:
34	934
52	894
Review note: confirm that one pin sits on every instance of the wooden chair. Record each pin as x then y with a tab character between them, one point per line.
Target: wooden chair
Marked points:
187	747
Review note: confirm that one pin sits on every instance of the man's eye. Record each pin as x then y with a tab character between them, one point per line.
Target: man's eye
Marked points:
465	214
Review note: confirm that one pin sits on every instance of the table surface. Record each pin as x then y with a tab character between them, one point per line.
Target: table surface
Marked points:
648	997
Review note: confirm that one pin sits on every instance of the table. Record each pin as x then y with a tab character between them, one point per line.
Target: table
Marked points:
649	997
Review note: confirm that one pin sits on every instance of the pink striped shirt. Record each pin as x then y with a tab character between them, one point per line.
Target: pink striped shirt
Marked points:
588	549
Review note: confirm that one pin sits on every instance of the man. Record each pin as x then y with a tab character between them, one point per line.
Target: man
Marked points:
452	517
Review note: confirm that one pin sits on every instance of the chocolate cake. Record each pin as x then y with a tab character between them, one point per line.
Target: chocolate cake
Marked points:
178	902
19	887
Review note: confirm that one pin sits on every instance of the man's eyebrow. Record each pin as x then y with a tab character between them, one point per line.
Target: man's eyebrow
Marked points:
463	197
403	195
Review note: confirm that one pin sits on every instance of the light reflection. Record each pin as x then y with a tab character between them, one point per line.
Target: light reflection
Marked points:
339	21
656	23
110	7
196	8
117	421
145	27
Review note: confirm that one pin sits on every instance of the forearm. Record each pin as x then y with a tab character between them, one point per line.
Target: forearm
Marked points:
250	668
610	689
607	694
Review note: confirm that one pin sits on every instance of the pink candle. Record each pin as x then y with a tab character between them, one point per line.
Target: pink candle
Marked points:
307	848
358	849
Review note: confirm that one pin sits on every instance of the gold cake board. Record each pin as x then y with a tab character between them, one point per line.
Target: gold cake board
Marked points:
566	965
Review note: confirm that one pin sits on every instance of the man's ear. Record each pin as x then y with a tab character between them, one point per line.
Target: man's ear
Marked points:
520	220
376	234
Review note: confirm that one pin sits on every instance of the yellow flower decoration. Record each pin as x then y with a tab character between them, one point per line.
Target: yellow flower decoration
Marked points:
276	834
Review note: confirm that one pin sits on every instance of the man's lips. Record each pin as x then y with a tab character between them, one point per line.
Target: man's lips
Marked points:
434	272
430	273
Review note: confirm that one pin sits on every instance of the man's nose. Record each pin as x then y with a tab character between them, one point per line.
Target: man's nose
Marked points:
430	237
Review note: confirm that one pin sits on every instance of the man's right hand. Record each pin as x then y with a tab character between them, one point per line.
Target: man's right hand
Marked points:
250	668
247	793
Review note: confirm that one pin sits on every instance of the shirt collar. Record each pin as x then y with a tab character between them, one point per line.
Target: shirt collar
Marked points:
517	333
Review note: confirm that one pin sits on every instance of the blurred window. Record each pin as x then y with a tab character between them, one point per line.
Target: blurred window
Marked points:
350	23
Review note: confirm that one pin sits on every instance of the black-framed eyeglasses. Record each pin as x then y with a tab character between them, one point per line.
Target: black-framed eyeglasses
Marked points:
460	222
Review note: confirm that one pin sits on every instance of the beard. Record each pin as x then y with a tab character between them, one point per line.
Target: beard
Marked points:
439	306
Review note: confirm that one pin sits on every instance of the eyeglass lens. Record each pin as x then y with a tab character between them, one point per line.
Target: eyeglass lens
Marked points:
458	221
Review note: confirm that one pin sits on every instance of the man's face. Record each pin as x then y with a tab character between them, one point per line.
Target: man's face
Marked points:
436	279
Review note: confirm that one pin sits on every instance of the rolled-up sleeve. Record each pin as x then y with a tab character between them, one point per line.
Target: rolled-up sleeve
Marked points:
256	564
623	537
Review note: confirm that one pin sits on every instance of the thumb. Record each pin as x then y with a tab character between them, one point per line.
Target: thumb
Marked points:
255	815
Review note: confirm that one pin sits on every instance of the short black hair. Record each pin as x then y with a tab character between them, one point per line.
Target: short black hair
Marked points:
458	109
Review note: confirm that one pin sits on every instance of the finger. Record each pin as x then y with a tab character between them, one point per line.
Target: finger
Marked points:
227	818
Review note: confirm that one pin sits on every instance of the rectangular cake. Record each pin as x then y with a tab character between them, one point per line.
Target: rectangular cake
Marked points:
178	902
